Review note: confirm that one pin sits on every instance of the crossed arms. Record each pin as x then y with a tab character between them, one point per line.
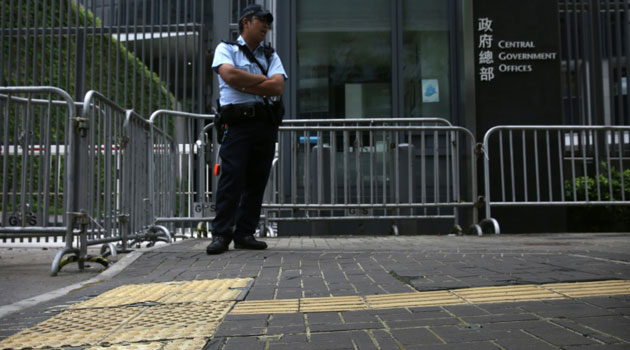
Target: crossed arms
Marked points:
250	83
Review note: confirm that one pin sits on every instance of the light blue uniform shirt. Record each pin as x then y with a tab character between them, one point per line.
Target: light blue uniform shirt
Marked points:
233	55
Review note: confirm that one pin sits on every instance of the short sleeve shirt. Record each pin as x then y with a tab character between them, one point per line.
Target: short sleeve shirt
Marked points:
232	54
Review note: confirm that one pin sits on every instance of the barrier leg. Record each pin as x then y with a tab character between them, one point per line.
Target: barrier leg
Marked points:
108	249
56	264
490	225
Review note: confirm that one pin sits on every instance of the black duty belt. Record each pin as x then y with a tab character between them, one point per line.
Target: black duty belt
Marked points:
244	113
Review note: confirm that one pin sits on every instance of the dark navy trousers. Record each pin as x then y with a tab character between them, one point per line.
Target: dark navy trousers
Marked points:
246	155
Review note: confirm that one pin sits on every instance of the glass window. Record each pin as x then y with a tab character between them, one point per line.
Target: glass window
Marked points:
344	59
426	61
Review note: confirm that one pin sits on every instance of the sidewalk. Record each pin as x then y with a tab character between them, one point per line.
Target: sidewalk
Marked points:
25	271
417	292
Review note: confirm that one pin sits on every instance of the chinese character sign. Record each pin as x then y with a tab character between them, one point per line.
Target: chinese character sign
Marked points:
486	55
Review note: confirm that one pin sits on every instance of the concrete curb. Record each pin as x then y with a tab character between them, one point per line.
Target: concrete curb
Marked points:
111	272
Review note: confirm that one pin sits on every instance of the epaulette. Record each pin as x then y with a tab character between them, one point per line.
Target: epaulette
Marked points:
231	43
269	50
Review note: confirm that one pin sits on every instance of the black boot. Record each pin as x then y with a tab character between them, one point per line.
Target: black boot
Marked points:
249	242
219	245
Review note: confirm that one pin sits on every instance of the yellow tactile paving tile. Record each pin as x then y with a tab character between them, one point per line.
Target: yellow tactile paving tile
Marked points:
129	295
417	299
176	318
178	344
348	303
230	294
71	328
161	333
505	294
169	292
277	306
37	340
480	295
173	321
181	314
171	311
587	289
133	346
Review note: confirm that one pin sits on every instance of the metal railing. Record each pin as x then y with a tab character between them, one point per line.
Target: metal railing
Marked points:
555	166
35	131
77	177
108	176
595	61
371	169
180	174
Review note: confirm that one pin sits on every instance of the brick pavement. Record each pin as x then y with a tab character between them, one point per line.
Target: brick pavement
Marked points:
323	267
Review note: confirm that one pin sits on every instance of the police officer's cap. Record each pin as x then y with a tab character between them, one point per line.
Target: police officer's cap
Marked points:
258	11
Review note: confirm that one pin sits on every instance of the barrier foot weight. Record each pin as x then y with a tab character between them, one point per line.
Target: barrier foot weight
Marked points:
56	264
109	249
490	225
475	230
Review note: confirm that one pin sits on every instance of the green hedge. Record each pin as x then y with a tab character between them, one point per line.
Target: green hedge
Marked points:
29	59
600	218
52	59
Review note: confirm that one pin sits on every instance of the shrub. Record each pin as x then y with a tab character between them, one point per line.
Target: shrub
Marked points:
600	218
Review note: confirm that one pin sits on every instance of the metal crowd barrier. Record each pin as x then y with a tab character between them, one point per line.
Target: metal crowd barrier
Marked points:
109	176
35	133
369	122
78	178
109	198
181	157
372	169
555	166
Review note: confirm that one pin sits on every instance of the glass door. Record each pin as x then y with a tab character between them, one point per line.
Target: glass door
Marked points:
425	59
344	59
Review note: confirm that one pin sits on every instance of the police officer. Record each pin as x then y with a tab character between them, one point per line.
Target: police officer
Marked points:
248	145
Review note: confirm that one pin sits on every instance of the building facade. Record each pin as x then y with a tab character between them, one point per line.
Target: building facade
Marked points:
475	63
421	58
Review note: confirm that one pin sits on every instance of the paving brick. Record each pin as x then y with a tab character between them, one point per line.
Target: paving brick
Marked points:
323	318
216	343
463	333
363	341
288	342
334	340
242	328
609	302
460	346
292	329
421	322
324	327
360	316
519	340
599	347
566	309
279	320
617	326
466	310
253	317
485	319
240	343
384	339
517	325
586	331
560	336
415	336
